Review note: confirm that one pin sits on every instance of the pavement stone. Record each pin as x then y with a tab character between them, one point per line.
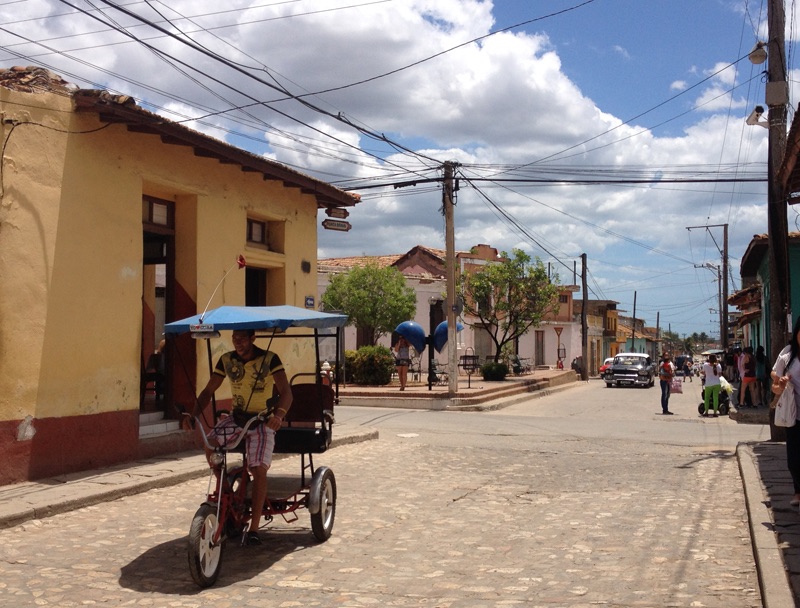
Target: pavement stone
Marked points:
523	524
47	497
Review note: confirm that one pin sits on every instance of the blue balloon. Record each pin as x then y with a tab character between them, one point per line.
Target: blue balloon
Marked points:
440	335
414	333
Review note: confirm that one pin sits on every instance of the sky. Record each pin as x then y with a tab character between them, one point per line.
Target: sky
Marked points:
367	94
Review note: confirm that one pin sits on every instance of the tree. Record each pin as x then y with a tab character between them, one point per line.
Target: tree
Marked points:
376	299
670	341
508	297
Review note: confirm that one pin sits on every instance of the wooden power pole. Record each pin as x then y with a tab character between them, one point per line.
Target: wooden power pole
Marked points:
777	98
584	323
450	272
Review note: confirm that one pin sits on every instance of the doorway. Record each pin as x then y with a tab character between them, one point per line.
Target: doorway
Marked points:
158	281
538	349
484	346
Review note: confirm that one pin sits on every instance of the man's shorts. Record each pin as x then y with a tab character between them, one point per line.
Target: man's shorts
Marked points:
259	442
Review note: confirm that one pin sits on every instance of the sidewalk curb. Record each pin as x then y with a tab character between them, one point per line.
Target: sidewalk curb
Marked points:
96	487
504	402
775	588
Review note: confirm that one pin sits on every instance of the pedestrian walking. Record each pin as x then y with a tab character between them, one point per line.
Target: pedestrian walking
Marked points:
785	370
712	372
730	366
761	376
402	360
748	379
666	372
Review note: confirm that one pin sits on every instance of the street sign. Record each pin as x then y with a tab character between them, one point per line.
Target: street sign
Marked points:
337	212
336	225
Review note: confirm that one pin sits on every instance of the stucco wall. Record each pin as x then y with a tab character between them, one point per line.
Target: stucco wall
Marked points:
71	258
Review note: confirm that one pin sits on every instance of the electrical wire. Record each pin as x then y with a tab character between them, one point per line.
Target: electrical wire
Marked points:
239	70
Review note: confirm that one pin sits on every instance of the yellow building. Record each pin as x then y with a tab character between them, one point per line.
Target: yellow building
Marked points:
114	220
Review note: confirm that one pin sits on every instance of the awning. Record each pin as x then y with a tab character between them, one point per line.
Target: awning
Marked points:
256	317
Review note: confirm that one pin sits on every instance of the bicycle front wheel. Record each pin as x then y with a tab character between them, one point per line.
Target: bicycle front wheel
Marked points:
205	556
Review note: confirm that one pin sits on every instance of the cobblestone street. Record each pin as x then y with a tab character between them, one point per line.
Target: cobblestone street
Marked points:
574	523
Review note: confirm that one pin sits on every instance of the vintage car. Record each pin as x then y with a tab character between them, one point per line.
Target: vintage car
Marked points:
606	364
631	369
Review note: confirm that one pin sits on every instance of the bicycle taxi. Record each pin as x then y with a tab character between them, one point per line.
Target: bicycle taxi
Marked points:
307	429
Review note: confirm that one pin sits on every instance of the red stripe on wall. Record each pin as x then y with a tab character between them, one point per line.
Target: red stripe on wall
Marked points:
37	448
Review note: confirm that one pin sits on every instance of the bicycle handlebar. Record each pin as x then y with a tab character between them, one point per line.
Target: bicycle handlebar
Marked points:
227	447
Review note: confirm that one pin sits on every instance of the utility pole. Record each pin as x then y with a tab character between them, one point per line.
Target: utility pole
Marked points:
450	272
723	305
777	97
633	325
724	302
658	330
584	323
720	297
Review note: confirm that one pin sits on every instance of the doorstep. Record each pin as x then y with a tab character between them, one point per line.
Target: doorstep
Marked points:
153	423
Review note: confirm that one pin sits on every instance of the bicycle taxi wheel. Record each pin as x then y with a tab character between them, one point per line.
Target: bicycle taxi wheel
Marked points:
205	556
322	503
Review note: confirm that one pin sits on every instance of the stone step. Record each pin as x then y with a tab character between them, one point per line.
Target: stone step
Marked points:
153	423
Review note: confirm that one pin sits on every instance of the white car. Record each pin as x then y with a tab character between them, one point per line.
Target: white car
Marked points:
631	369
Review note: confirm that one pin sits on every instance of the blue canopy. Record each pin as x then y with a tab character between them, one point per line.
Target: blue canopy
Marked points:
414	333
256	317
440	335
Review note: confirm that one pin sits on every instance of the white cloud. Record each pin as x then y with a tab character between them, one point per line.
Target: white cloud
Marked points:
503	101
724	73
621	51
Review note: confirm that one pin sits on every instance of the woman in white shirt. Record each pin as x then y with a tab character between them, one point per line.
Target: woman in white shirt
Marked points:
786	369
712	371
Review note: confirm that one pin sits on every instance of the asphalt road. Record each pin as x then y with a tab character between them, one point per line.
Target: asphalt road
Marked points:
588	497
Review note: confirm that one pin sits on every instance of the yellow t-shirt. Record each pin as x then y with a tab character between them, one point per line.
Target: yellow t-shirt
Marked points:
252	382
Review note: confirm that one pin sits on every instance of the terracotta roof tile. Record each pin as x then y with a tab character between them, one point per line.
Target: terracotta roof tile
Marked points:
382	261
33	79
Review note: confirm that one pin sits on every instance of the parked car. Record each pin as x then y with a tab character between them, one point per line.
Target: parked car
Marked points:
631	369
606	364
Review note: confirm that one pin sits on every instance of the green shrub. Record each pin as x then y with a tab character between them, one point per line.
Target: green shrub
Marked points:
373	365
349	365
494	371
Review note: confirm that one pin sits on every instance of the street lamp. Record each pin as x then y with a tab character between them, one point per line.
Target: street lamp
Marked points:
759	54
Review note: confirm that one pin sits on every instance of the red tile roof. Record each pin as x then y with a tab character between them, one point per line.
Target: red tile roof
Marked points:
382	261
